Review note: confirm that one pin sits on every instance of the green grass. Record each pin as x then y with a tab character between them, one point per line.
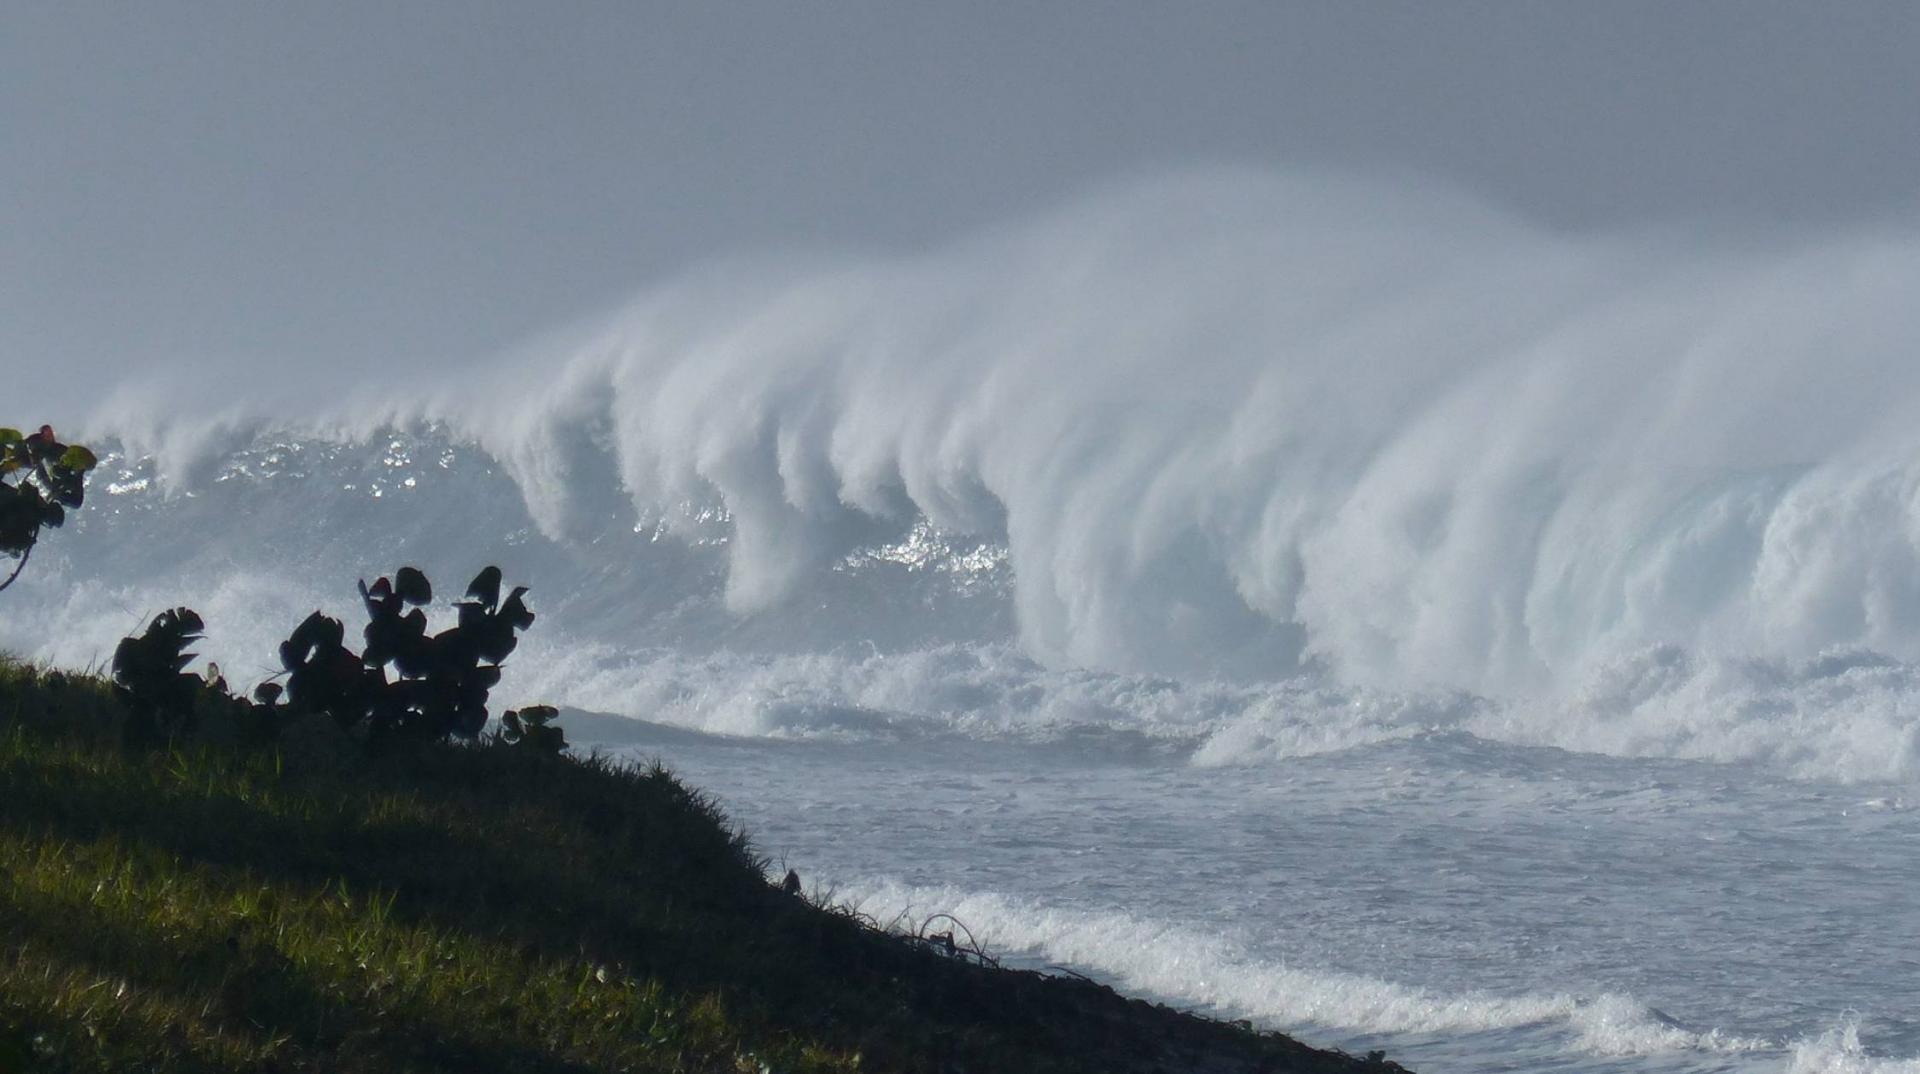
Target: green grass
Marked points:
480	908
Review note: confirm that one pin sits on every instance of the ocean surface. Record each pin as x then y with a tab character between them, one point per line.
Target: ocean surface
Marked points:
1373	618
1689	867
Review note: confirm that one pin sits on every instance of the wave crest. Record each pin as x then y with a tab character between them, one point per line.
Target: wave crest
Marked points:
1242	424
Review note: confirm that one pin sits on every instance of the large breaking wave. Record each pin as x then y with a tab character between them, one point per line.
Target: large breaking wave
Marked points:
1648	494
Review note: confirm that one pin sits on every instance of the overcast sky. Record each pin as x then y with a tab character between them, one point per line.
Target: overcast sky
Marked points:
348	182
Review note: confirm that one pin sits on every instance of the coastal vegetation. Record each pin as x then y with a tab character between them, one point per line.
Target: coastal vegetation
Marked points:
215	905
41	479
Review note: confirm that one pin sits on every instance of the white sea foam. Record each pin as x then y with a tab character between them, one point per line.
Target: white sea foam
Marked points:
1838	1051
1846	716
1212	971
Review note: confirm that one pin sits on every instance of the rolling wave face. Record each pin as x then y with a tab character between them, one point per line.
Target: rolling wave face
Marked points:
1231	427
904	640
1238	426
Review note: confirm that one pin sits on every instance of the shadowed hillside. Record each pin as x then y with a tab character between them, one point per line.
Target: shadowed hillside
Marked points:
471	908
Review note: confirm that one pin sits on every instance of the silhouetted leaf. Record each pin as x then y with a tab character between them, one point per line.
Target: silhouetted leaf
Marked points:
497	646
514	612
412	586
485	587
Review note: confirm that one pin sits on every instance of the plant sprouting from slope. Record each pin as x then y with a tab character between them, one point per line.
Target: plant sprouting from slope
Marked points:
532	728
149	675
409	683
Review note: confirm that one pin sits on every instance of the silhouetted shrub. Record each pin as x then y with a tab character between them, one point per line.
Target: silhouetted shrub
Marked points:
442	680
438	685
40	480
323	676
149	675
533	728
408	684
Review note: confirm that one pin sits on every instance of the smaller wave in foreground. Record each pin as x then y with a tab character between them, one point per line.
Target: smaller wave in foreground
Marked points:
1215	973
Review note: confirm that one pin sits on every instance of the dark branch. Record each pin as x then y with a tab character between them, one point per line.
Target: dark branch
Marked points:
20	566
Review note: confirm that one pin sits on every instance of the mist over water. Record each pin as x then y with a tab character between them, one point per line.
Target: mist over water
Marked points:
1241	489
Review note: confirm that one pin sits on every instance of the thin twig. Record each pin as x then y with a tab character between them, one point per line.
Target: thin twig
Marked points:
20	566
946	941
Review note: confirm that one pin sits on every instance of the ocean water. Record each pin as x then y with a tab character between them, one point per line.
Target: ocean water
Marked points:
1462	904
1358	613
1688	865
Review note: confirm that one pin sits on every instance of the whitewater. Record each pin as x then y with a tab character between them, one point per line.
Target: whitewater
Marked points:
1337	605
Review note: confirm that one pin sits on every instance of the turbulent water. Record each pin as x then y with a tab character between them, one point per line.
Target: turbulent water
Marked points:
1354	612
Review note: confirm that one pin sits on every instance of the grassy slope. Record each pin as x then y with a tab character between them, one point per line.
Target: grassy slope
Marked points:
470	909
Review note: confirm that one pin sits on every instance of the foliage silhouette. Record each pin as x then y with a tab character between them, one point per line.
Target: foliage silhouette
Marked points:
322	674
40	480
533	728
441	680
148	675
406	686
164	702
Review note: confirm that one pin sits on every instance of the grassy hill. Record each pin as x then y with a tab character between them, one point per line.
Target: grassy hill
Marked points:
217	907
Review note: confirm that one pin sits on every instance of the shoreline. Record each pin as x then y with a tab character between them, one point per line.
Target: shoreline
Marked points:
297	905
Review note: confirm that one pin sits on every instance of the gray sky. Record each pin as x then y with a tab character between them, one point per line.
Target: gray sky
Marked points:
350	182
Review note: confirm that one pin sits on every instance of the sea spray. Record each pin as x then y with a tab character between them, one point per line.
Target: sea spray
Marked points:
1245	424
